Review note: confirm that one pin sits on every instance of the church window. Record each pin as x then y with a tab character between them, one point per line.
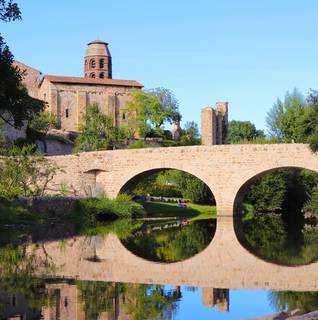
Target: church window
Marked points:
66	113
101	63
124	116
93	64
65	302
102	75
92	75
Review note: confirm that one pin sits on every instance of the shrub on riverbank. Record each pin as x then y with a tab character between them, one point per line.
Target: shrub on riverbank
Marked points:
91	212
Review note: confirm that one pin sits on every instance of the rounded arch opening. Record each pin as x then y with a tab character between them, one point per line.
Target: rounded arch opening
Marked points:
276	215
180	215
92	64
101	63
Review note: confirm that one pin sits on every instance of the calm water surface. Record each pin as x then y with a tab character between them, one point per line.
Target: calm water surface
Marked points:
23	296
74	299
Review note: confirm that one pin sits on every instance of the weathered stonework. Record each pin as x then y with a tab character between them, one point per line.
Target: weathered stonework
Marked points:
225	263
68	97
214	124
226	169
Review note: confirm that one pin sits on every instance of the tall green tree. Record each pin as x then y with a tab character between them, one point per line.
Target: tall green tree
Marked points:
148	111
98	132
190	134
15	103
285	118
242	130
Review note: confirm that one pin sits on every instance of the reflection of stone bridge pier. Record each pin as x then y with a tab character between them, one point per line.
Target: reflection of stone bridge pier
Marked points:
223	264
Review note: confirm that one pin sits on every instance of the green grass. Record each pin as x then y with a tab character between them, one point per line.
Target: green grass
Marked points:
248	212
193	212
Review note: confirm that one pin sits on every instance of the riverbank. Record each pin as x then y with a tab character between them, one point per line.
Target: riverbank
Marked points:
171	210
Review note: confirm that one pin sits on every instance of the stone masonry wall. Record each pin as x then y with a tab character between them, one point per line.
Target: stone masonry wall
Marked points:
224	168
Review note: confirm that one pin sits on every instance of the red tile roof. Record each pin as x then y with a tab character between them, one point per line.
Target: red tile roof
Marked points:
94	81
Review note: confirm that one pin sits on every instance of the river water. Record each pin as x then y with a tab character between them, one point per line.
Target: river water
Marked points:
33	286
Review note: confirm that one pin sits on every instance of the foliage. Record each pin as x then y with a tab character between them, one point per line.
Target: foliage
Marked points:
97	297
191	187
174	183
285	189
242	130
271	238
90	213
44	121
15	103
138	144
12	214
98	132
9	11
150	302
190	134
169	103
174	244
285	119
267	193
122	228
26	173
266	235
150	109
312	203
293	300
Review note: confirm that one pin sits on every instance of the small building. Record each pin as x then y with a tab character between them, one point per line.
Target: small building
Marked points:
68	96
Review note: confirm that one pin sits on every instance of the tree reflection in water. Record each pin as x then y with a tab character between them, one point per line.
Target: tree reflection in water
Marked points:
271	238
173	244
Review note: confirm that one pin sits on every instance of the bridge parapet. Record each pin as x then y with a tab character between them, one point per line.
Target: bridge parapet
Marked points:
227	169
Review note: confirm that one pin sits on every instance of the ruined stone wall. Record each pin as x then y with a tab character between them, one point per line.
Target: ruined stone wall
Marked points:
214	123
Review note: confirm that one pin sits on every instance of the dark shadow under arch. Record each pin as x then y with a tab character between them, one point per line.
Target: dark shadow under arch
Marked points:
238	205
171	229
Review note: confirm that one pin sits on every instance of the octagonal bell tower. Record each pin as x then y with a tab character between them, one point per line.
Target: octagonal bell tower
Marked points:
98	61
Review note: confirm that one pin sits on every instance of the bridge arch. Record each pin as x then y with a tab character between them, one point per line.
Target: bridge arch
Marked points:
131	177
254	176
239	226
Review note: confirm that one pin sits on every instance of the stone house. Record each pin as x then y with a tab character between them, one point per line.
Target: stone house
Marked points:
68	97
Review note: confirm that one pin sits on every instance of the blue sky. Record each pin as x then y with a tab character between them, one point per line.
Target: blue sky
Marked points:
245	52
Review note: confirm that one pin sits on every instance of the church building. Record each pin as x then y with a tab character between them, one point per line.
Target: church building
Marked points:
68	97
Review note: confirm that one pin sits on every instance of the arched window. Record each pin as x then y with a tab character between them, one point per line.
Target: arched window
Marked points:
92	75
124	116
66	113
102	75
101	63
93	64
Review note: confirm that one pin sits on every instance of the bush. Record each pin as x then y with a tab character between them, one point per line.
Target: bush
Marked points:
139	144
91	212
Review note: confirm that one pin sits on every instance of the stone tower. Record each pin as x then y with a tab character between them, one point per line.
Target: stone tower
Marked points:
98	61
214	124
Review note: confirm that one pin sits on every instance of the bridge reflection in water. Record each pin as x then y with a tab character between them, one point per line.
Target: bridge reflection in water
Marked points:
225	263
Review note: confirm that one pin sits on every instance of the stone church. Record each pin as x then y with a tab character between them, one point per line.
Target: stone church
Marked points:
68	97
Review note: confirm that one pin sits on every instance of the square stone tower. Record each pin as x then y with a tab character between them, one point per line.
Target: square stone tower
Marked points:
214	124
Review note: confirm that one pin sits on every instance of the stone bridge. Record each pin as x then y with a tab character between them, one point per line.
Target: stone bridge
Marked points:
228	170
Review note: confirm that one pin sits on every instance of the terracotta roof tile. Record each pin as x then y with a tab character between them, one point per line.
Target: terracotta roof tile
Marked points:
79	80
